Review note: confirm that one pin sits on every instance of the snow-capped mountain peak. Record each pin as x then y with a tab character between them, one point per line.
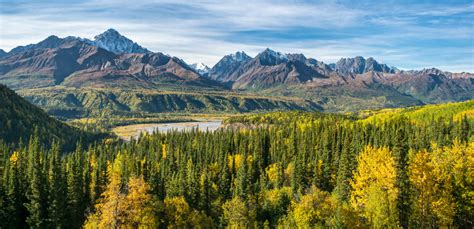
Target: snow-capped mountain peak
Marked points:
270	57
200	68
113	41
239	56
275	54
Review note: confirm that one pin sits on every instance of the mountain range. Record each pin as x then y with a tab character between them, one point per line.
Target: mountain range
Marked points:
112	61
79	62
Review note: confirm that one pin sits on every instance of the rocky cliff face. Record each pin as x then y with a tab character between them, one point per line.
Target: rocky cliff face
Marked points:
229	66
359	65
269	68
113	41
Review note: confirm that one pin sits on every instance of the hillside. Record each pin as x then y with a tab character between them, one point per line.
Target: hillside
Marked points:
426	114
423	114
19	120
75	103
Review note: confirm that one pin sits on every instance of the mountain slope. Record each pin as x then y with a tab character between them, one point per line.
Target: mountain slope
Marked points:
351	83
113	41
229	66
423	114
433	85
19	119
50	42
2	53
38	67
270	68
74	62
75	103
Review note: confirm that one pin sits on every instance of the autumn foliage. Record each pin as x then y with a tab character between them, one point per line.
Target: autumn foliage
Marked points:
284	169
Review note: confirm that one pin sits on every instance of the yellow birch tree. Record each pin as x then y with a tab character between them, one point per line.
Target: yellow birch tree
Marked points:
374	192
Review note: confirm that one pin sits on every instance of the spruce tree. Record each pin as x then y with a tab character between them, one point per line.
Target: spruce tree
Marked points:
36	196
57	189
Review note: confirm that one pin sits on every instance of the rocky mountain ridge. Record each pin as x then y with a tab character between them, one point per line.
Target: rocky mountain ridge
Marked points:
113	61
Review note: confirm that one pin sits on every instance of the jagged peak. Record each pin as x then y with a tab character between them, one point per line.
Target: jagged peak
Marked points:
272	52
200	68
113	41
356	58
359	65
112	30
199	65
239	56
432	70
298	57
52	37
110	33
271	57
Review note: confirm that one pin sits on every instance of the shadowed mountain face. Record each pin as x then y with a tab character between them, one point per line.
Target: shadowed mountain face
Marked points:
20	119
359	65
229	67
2	53
112	61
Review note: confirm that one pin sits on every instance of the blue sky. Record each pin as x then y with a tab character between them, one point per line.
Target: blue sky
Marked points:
406	34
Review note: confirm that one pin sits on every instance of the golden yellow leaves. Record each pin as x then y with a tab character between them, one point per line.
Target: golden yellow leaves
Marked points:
14	158
435	177
315	209
164	153
237	160
236	213
178	214
120	207
374	190
273	172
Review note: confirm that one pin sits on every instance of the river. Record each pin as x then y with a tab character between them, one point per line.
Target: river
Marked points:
134	130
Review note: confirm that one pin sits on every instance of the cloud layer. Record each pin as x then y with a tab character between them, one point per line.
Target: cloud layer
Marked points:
406	34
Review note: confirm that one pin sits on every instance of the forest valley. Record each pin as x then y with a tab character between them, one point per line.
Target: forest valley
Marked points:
275	170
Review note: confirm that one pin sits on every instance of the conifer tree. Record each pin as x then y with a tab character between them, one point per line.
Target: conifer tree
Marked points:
37	198
57	189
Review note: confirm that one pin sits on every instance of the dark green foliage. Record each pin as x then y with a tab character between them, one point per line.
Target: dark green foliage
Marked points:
275	161
19	119
74	103
57	189
37	192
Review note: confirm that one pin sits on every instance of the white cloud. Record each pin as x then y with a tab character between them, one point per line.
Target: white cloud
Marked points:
204	31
